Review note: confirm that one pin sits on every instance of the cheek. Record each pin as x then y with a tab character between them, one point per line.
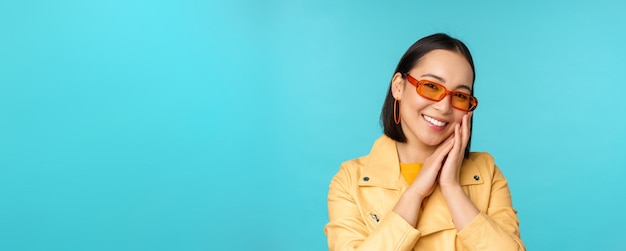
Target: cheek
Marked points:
411	110
414	103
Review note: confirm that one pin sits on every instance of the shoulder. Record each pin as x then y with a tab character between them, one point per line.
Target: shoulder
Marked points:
350	170
486	164
480	163
482	159
382	153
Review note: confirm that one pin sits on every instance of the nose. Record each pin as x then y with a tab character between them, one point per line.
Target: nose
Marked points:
444	105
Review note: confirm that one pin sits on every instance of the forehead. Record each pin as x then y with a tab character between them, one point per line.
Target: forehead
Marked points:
446	67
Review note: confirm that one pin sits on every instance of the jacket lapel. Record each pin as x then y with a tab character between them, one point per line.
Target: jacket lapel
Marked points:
382	167
470	175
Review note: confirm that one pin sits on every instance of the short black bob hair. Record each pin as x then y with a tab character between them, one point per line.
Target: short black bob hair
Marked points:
407	62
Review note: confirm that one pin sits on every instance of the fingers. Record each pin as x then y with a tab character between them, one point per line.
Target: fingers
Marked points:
456	145
462	134
444	149
434	162
451	168
459	142
458	138
466	126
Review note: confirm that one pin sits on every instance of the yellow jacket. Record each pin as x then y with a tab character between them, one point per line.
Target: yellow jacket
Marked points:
365	190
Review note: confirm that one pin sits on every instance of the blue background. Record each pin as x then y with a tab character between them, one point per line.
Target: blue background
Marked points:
195	125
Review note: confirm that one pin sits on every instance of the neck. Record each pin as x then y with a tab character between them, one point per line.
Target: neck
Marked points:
414	153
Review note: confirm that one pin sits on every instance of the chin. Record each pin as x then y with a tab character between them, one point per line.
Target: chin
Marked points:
436	139
432	141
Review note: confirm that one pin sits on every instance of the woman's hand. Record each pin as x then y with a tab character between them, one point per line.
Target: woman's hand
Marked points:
426	181
462	209
451	170
442	166
424	184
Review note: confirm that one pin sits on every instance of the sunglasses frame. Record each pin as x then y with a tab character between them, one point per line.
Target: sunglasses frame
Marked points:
473	100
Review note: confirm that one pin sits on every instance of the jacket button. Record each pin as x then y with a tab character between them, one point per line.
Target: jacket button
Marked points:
366	178
476	177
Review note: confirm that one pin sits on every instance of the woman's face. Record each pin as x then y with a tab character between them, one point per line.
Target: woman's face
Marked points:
430	122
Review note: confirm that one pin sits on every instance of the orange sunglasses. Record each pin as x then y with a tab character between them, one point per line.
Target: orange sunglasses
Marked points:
436	92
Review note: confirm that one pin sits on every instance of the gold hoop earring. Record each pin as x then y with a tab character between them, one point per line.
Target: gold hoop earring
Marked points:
396	118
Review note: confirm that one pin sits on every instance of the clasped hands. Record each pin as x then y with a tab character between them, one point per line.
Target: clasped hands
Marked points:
444	165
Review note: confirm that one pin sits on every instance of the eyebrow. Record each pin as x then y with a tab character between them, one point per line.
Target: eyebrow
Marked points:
442	80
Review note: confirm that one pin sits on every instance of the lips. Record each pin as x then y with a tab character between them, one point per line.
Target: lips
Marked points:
434	121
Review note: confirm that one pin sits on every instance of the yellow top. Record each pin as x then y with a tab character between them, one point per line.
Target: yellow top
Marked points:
410	171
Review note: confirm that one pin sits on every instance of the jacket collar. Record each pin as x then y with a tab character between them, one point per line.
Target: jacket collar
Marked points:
382	167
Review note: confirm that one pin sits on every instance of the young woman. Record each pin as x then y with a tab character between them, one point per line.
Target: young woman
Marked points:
420	188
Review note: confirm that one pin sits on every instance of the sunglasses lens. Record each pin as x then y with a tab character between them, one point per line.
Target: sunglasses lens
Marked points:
461	101
431	91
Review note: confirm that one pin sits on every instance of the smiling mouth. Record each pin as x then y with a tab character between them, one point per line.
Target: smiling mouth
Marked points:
434	121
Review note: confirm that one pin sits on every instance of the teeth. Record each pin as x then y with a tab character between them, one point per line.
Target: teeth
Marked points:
434	121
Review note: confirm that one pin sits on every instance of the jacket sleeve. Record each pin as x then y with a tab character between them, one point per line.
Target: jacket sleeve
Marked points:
498	227
346	229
